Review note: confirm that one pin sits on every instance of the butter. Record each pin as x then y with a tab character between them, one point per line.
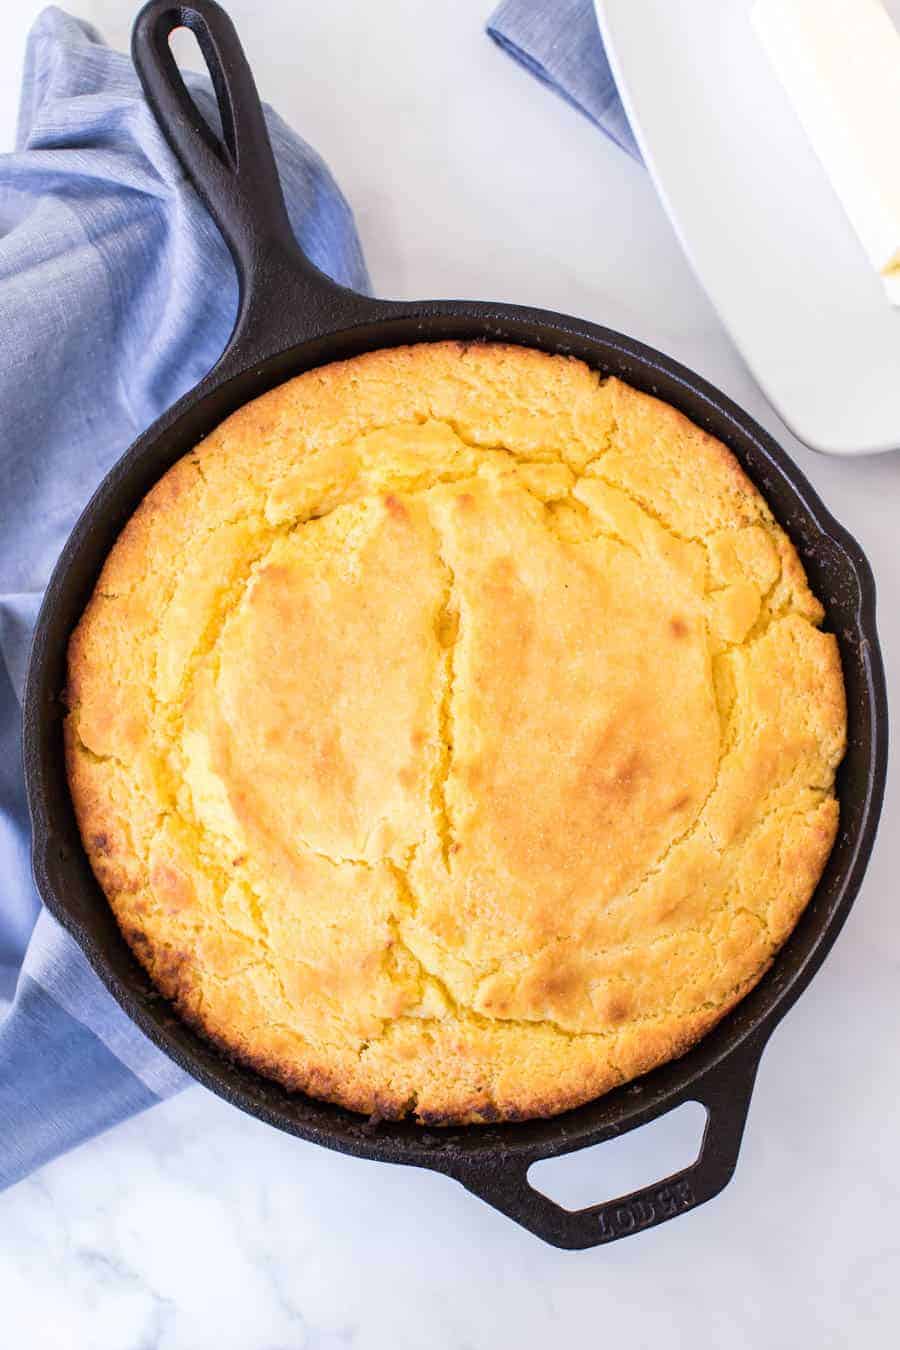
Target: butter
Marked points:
839	61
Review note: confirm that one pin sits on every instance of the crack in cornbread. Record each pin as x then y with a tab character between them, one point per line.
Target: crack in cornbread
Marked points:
453	733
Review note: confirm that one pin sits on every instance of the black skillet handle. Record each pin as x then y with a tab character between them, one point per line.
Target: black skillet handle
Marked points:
237	177
725	1091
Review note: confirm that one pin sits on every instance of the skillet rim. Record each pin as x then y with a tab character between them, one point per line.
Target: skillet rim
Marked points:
794	503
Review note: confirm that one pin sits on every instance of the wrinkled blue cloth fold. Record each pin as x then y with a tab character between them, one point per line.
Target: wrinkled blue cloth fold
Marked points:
560	43
116	295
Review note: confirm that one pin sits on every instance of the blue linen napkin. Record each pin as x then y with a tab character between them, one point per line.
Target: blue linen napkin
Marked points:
560	43
116	295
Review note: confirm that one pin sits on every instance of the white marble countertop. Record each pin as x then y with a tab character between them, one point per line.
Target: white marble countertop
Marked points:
194	1226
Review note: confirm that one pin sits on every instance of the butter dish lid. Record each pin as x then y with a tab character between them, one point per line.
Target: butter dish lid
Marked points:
761	223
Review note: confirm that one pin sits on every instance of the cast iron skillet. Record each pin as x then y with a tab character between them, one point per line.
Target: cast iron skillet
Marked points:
292	318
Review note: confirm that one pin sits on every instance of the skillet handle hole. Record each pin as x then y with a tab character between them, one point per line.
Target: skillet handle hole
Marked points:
189	58
595	1175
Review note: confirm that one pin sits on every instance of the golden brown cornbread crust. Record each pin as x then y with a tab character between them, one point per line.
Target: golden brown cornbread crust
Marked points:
452	733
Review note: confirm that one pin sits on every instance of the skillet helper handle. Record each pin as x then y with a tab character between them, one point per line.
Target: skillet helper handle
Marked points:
725	1091
236	176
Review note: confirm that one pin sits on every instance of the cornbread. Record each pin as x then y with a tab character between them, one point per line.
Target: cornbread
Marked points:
453	734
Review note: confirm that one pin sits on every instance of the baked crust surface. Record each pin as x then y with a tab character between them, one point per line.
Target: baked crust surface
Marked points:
453	734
